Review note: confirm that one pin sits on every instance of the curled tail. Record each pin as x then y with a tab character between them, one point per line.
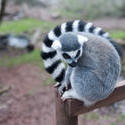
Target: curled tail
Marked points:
52	62
117	47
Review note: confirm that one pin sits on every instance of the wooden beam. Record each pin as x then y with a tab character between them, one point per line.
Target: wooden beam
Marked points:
61	116
75	107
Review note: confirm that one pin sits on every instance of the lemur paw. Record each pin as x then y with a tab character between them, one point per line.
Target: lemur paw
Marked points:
63	98
69	94
57	84
66	85
61	89
66	96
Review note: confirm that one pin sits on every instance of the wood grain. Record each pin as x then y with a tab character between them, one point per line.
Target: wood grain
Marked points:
62	117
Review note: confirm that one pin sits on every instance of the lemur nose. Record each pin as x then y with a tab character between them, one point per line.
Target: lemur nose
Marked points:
73	64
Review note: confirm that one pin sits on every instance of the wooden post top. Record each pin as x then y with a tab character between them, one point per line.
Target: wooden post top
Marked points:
74	107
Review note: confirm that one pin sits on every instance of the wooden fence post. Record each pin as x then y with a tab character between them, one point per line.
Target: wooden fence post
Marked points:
62	117
67	112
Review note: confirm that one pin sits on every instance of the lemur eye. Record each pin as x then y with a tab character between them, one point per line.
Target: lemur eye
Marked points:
78	53
66	56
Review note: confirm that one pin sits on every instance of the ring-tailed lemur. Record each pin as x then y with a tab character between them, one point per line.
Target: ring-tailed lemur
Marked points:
95	60
20	41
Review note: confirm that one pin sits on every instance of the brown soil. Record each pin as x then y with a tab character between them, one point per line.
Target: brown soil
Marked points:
11	52
111	23
29	102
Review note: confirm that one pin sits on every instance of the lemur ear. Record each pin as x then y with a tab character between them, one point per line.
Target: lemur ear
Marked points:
82	39
56	45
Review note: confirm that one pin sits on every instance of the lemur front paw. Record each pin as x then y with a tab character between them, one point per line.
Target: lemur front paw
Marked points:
57	84
67	95
61	89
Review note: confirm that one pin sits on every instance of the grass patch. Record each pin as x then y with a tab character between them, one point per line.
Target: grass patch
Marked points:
94	9
50	80
120	118
20	26
23	59
112	123
23	25
28	25
118	34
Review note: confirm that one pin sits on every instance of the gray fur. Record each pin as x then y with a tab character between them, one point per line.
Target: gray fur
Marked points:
69	42
97	70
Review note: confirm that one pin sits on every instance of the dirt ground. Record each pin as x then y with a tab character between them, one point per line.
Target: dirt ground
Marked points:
28	101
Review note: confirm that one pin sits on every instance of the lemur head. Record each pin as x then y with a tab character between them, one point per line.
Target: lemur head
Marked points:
69	47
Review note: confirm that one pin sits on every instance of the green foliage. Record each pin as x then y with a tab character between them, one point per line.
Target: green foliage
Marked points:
23	59
71	9
70	15
89	9
112	123
17	27
50	80
23	25
100	8
120	8
117	34
28	25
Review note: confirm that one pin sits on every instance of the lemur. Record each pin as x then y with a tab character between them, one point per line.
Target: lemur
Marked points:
21	42
92	57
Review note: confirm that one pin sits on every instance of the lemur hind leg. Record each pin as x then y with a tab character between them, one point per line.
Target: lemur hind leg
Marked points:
71	94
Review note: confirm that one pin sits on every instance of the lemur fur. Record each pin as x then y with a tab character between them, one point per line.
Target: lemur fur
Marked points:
52	62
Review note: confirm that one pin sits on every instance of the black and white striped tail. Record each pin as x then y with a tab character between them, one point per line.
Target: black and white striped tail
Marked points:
52	62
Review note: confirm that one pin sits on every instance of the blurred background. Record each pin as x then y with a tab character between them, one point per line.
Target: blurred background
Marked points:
26	90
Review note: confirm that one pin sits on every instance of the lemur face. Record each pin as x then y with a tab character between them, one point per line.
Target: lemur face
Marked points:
71	57
69	48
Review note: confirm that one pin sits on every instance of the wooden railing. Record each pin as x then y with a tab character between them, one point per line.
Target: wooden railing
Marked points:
67	112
